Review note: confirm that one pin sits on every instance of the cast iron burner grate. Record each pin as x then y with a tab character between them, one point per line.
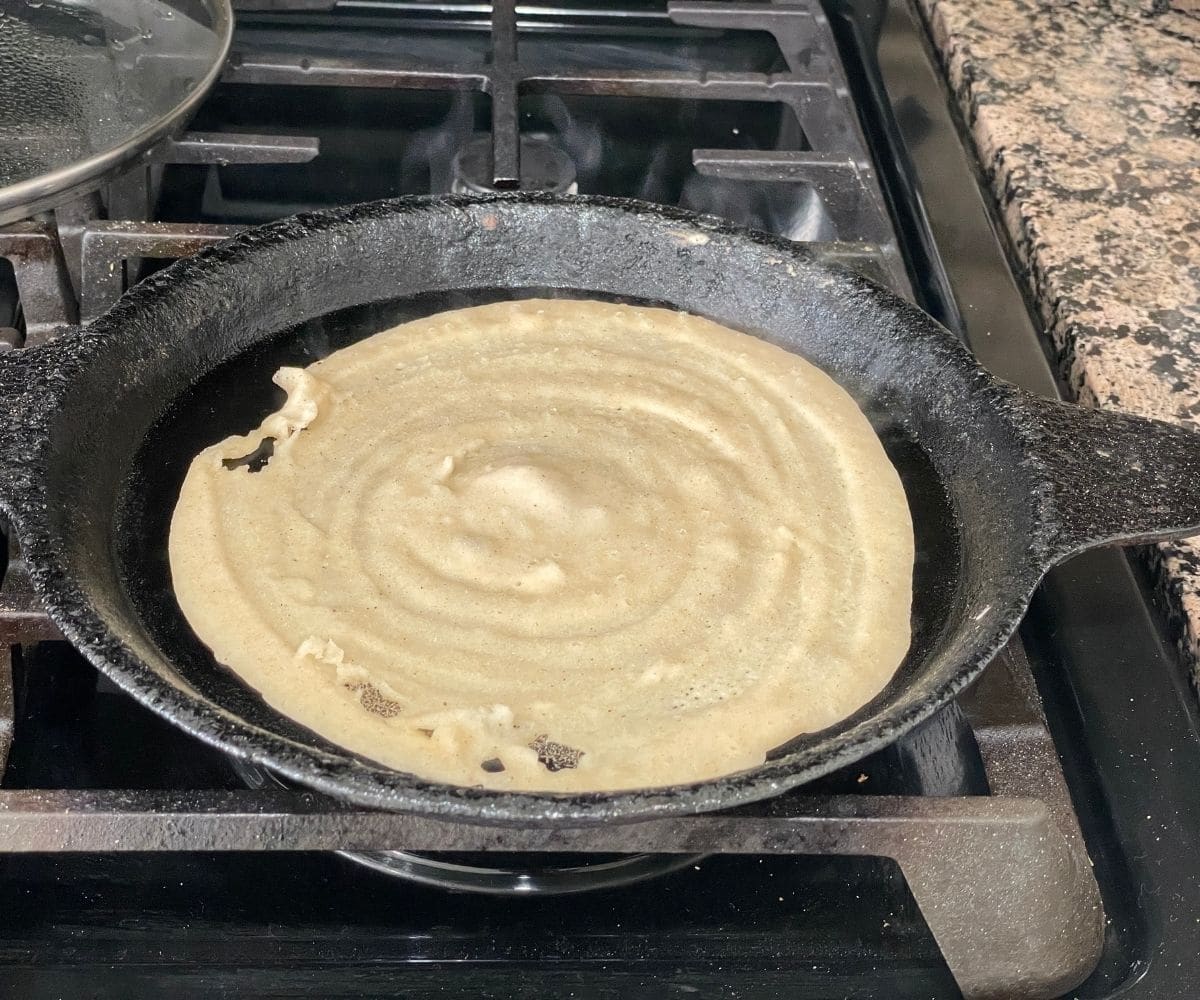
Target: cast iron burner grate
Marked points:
994	860
72	264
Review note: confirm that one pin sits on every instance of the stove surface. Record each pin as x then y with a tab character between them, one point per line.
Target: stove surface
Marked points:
324	103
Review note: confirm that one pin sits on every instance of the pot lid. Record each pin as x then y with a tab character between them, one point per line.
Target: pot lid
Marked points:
89	85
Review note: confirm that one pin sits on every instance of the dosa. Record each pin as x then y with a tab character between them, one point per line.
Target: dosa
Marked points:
553	545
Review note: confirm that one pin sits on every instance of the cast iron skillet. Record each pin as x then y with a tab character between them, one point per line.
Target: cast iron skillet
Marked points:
102	424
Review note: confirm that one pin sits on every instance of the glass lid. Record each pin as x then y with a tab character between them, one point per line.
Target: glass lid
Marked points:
88	85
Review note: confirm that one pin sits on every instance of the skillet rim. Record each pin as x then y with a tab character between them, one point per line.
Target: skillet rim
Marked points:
351	779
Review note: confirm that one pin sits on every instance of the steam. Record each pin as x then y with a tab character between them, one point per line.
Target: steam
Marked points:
430	152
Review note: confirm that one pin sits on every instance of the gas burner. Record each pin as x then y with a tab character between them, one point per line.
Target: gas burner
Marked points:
544	167
523	874
498	874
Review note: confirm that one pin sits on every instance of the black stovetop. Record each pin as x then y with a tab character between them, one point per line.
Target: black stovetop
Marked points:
307	924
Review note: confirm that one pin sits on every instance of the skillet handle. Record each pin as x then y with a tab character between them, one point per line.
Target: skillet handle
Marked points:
1112	477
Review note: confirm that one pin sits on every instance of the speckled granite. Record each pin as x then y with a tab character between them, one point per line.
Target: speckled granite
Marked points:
1086	115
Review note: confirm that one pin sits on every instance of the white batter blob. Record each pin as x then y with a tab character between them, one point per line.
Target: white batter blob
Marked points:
554	545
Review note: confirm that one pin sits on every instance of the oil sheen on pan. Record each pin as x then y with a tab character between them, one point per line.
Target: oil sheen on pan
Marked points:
553	545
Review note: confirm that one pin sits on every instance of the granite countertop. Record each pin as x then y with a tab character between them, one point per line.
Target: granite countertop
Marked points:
1086	115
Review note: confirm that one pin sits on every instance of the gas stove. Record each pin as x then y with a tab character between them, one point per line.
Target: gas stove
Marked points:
1030	838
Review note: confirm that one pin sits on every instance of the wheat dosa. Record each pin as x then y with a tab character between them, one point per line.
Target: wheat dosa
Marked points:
553	545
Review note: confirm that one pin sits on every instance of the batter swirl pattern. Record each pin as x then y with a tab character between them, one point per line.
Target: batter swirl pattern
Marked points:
553	545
